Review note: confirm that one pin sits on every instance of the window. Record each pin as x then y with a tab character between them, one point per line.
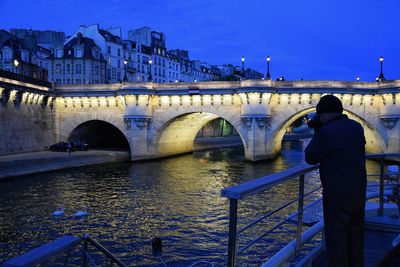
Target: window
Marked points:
96	70
7	56
119	52
108	49
78	69
119	63
78	81
58	81
159	51
59	53
58	68
79	53
68	68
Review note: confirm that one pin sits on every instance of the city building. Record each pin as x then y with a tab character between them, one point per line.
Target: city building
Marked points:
23	56
186	65
110	43
46	39
250	74
79	61
152	53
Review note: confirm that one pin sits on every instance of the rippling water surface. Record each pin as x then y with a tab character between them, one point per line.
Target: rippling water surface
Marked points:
128	204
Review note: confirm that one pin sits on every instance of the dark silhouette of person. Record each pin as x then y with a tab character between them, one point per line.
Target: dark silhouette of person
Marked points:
338	145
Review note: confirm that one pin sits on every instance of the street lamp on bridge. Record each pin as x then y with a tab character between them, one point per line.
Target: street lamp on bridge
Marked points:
125	65
268	77
150	63
243	66
381	77
16	64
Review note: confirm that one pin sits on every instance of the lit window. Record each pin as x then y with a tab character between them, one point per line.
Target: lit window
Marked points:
79	53
59	53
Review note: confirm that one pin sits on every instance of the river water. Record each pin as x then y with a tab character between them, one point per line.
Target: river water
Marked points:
177	199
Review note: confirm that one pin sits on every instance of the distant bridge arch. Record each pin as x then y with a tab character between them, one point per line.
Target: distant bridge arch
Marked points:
374	138
176	133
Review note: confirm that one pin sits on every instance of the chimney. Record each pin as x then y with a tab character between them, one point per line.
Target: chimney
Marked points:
79	38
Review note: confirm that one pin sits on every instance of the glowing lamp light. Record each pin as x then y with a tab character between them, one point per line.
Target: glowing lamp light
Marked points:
16	62
242	58
125	62
268	58
150	61
381	59
358	78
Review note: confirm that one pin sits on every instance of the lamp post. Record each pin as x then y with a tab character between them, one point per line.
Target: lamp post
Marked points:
243	66
268	77
381	77
150	63
16	64
358	78
125	65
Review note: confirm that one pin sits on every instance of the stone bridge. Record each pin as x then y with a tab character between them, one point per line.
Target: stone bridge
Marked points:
159	120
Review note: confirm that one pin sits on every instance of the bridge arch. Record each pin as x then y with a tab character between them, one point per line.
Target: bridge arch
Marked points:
374	140
177	133
100	134
71	122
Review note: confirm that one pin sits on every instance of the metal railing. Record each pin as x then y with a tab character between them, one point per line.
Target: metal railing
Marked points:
253	187
65	245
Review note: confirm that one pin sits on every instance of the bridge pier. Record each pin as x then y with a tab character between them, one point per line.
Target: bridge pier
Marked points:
137	131
256	139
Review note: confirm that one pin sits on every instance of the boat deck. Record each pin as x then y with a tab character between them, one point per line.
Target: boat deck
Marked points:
376	245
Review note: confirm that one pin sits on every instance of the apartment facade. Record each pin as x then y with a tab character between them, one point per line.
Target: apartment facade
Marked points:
79	61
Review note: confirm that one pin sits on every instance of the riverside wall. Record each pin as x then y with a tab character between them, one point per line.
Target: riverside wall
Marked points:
26	122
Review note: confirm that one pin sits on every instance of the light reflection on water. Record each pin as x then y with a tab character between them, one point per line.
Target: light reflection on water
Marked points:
128	204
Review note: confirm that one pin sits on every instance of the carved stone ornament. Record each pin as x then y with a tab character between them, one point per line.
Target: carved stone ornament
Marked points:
139	121
261	120
389	121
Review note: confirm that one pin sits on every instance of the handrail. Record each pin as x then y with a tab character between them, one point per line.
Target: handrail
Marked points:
250	188
59	246
105	251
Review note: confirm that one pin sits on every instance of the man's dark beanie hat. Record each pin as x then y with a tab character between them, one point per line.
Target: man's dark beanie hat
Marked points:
329	104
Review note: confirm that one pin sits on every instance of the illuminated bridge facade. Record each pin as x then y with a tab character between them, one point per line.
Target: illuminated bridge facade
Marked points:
159	120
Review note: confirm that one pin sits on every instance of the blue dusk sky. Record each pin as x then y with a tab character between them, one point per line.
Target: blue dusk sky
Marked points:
309	39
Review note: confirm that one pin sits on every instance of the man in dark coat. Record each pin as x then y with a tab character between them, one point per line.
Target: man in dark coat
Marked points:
338	145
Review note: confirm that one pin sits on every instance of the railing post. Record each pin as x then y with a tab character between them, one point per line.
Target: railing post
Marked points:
381	185
232	232
85	248
300	214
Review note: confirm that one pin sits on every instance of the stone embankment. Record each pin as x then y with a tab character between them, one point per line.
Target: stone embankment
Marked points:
36	162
